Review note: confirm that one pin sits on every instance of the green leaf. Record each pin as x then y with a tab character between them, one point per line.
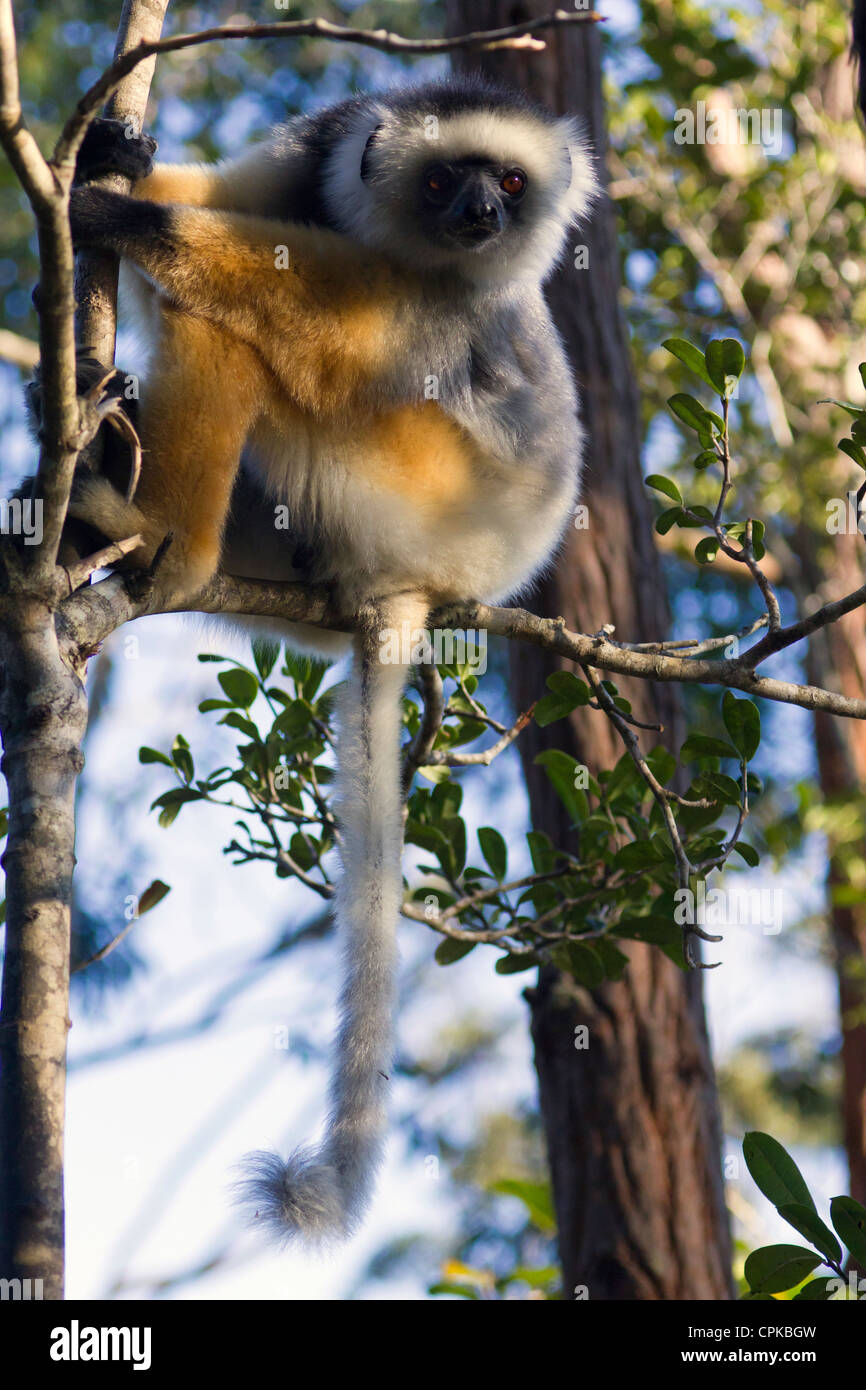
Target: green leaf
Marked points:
582	962
706	746
706	550
182	758
495	851
637	854
775	1268
614	960
807	1222
561	769
854	410
662	762
849	1221
715	786
749	853
540	851
816	1290
171	802
691	412
152	895
853	450
265	655
303	850
550	708
668	519
658	931
570	687
725	363
535	1196
690	356
460	1290
455	829
240	686
665	485
705	459
435	773
700	516
512	965
743	723
774	1171
449	950
152	755
427	837
244	726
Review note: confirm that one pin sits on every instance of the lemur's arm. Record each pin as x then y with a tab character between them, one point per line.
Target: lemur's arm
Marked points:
252	183
325	316
245	184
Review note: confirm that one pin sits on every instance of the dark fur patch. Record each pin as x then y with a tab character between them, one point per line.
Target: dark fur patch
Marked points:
108	148
115	222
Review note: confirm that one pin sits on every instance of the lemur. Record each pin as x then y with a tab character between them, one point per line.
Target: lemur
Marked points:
355	305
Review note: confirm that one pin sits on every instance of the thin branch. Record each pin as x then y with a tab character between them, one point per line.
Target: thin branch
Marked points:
20	352
104	950
485	758
515	36
100	560
87	617
33	172
420	750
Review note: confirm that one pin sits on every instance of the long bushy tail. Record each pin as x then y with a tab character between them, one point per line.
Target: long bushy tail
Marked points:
321	1193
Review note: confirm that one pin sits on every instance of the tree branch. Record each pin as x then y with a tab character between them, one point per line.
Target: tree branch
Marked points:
513	36
20	352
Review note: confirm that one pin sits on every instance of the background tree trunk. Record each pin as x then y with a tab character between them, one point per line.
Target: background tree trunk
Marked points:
837	658
632	1123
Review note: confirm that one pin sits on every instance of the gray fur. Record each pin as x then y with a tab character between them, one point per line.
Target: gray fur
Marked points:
472	333
483	332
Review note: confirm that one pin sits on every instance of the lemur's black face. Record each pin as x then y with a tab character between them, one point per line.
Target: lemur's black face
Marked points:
471	202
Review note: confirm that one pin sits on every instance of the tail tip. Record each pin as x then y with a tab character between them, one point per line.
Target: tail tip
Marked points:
294	1199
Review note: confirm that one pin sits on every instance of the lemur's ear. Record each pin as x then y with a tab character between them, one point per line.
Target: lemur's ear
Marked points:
365	157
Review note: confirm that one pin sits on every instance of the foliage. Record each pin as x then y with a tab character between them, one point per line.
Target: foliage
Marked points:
650	830
776	1269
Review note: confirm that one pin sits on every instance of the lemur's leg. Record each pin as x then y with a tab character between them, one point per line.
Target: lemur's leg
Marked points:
326	316
198	404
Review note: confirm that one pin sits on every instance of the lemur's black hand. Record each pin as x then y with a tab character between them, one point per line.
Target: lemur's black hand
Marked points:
112	147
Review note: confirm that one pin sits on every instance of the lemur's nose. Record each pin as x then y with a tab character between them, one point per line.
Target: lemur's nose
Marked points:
483	212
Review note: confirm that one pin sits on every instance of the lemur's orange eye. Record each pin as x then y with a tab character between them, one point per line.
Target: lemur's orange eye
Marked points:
438	181
513	183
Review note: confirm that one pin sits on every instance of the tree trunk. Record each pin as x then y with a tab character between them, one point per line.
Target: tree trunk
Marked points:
837	659
631	1121
43	714
43	717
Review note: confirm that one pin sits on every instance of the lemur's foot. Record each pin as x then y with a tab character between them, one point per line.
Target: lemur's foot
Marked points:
114	147
109	409
171	567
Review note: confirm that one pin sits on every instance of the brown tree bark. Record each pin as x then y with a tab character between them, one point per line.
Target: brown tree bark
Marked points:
837	656
631	1122
43	715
